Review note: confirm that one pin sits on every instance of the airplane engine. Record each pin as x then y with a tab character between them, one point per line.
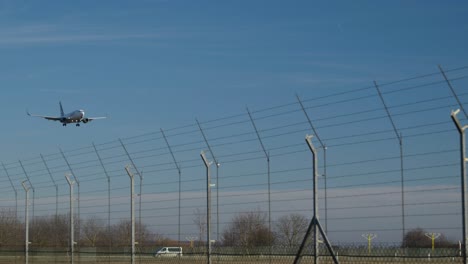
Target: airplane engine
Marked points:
85	120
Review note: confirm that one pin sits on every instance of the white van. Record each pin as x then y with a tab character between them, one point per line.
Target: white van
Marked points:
169	252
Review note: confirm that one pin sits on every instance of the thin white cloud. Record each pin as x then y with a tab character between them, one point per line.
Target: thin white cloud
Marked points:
51	34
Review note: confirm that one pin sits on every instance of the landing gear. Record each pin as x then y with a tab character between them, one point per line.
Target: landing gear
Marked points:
78	124
64	124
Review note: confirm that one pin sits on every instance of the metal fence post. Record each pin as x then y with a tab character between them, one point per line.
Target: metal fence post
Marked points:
463	160
217	178
26	222
402	178
56	201
33	190
180	181
316	244
322	145
315	223
72	225
140	176
108	201
208	204
132	211
267	156
78	187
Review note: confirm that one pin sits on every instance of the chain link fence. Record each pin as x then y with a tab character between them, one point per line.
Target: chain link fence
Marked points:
345	254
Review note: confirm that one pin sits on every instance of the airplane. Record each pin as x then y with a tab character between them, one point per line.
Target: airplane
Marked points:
76	116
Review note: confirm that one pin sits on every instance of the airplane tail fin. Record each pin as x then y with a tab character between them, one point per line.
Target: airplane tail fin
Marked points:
61	109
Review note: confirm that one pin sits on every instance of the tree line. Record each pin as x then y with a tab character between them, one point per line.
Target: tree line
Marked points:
54	231
246	230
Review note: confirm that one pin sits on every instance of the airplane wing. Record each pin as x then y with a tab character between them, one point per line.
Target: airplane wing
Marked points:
94	118
53	118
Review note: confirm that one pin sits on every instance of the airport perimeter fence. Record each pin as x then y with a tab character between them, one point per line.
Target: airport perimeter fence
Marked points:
388	163
345	254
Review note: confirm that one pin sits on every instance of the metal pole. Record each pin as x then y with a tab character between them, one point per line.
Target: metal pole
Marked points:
217	177
108	202
432	237
316	216
325	185
322	145
461	130
78	187
16	209
402	184
132	211
34	192
72	224
56	202
208	205
217	201
55	185
26	223
369	238
141	190
180	181
139	216
402	178
267	156
315	223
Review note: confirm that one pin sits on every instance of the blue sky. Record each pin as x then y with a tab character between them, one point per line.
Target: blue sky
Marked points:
161	64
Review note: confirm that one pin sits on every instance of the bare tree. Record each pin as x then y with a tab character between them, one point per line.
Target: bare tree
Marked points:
290	229
50	230
200	221
42	231
160	240
248	230
93	231
10	228
416	238
62	223
122	231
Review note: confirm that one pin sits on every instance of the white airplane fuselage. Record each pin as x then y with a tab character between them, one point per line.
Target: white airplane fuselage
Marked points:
74	117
